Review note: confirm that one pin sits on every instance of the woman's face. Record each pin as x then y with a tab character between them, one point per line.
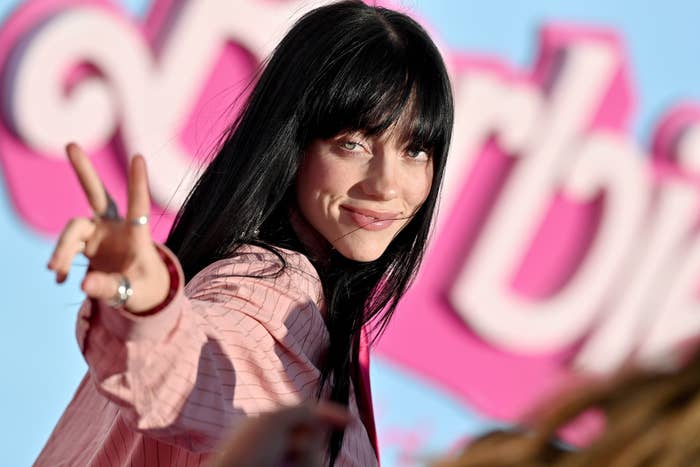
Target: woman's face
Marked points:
359	191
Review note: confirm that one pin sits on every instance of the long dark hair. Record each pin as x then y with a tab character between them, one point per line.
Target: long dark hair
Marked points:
342	67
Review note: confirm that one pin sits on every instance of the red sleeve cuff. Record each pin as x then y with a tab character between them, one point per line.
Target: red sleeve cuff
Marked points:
174	271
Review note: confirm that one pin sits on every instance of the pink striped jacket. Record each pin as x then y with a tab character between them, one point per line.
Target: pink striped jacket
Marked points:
165	389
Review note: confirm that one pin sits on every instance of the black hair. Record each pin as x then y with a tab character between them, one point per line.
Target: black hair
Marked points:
342	67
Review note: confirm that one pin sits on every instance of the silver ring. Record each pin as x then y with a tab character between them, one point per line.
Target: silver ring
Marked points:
141	220
124	291
81	246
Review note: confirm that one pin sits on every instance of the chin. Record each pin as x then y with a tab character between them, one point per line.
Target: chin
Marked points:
361	255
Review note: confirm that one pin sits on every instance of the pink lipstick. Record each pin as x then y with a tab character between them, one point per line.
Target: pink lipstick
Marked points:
371	220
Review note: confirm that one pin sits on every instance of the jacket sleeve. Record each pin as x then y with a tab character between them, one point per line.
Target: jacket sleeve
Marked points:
241	339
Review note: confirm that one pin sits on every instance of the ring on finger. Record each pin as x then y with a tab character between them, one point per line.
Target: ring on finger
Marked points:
122	294
81	246
141	220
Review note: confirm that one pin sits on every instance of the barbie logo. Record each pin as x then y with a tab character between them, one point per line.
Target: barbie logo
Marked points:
83	71
564	244
561	244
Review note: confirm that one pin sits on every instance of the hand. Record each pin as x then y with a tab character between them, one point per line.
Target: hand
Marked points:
292	436
114	246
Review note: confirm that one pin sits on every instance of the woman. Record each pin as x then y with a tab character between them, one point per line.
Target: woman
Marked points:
309	223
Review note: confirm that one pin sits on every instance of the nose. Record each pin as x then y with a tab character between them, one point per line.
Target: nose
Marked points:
381	182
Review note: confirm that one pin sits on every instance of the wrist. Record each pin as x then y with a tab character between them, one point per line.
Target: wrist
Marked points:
173	278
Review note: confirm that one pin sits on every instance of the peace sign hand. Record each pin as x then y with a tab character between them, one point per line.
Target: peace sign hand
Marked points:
122	255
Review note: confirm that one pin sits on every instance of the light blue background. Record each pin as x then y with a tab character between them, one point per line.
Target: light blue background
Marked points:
38	354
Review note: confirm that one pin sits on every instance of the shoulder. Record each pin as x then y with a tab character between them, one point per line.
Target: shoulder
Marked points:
288	272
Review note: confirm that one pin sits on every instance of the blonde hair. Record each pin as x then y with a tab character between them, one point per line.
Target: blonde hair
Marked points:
652	418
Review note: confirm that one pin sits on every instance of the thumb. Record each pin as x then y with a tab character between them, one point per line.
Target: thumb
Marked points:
101	285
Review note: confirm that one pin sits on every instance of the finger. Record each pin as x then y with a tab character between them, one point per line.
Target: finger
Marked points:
70	243
325	413
308	431
101	285
304	447
297	432
88	177
332	414
306	439
139	200
291	416
307	450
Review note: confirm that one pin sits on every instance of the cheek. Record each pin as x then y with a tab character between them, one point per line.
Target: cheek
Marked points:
418	187
321	176
318	184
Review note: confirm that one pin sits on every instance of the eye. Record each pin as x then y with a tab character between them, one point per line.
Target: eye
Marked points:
417	154
351	145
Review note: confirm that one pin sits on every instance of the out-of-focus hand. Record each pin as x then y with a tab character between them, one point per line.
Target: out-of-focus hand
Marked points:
289	437
116	247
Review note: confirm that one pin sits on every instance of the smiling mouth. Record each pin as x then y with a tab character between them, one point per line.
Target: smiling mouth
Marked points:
370	220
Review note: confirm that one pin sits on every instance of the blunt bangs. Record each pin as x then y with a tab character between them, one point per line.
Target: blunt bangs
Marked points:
381	78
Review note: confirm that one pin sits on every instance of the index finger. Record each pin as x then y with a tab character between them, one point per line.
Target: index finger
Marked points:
312	415
332	414
89	180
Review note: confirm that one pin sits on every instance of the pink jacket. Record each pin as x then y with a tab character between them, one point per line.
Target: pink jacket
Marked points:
164	389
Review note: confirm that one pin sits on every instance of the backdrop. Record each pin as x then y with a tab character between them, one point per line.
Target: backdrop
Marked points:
567	238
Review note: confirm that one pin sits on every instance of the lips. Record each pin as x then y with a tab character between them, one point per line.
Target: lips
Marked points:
369	219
